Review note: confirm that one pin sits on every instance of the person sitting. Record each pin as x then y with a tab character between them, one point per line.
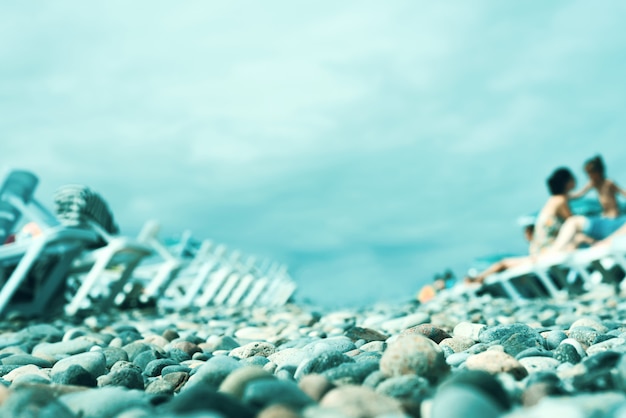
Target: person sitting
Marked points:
607	189
545	230
596	228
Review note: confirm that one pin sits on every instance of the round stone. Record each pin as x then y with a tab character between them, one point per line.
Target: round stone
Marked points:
414	354
187	347
457	344
590	323
408	387
366	334
325	361
74	375
539	364
493	361
264	392
610	344
468	330
361	401
259	348
554	338
315	385
584	335
429	331
351	373
154	368
93	362
235	383
128	377
112	355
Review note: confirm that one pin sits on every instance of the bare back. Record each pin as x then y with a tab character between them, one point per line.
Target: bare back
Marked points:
607	191
549	222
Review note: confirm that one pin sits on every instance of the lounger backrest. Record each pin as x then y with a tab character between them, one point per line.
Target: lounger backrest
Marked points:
9	216
18	185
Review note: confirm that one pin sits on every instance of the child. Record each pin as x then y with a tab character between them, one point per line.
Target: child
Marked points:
599	228
607	189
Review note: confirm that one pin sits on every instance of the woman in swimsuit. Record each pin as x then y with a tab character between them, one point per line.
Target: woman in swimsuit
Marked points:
549	221
555	211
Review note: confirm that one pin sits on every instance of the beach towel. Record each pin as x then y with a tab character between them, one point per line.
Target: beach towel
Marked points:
77	205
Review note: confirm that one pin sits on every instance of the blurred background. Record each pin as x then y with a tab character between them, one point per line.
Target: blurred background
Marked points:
369	145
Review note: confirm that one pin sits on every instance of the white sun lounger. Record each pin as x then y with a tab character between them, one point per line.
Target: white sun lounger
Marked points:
100	274
600	259
532	279
37	264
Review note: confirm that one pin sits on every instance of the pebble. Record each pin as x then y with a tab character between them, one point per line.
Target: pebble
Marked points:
456	359
457	344
318	364
201	399
553	338
584	335
112	355
537	364
351	373
261	393
235	383
611	344
155	367
374	346
341	344
404	322
29	369
494	361
63	348
24	359
360	401
94	362
414	354
429	331
469	393
408	387
261	348
74	375
32	402
366	334
128	377
104	402
315	386
214	371
590	323
468	330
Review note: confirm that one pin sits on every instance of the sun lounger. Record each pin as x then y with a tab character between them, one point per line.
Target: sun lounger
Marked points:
155	275
602	260
191	280
34	268
99	274
542	278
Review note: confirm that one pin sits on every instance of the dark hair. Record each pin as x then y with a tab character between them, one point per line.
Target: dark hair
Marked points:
557	182
595	165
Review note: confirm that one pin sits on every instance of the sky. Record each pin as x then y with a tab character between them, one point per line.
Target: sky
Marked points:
369	145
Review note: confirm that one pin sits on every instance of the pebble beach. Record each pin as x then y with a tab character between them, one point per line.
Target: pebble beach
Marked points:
452	357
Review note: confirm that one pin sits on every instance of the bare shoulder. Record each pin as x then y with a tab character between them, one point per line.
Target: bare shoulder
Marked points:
561	200
610	184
